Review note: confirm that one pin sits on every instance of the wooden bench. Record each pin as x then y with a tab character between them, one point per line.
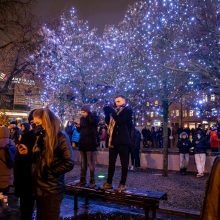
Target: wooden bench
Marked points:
147	200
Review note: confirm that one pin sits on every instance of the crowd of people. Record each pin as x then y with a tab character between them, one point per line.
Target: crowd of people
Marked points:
201	140
41	153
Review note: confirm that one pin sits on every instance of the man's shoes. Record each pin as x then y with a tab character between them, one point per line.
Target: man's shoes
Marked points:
107	186
121	188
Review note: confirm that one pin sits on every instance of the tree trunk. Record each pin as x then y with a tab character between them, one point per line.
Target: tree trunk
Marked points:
165	106
181	112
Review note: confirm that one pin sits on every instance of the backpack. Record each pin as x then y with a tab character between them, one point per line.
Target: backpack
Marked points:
10	151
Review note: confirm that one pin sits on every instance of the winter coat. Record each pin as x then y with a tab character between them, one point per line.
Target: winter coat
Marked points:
184	145
69	131
201	146
50	180
23	166
218	129
76	135
6	173
214	139
103	136
88	133
123	125
15	133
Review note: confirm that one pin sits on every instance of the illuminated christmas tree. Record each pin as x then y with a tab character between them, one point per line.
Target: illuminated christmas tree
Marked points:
147	56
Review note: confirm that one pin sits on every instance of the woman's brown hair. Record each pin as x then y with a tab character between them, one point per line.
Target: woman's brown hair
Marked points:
52	125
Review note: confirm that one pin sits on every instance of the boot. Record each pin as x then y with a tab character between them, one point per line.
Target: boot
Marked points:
184	171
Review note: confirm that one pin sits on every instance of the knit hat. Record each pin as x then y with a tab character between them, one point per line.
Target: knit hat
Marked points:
4	132
183	133
85	108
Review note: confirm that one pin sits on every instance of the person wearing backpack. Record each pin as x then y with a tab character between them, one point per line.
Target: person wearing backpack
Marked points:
7	152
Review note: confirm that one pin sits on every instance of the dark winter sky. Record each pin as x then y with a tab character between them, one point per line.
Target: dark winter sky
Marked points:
97	12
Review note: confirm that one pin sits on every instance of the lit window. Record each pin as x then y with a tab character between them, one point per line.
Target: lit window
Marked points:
185	113
212	97
191	113
214	112
152	114
177	113
156	103
205	98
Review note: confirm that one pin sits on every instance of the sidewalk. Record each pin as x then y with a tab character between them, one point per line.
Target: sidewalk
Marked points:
185	194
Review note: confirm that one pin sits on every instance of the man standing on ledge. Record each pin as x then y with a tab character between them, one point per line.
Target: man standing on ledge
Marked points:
119	120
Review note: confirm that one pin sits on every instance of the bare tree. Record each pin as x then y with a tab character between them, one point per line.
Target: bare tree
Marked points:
19	38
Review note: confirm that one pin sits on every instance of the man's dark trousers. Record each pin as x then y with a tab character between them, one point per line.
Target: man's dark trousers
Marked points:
123	151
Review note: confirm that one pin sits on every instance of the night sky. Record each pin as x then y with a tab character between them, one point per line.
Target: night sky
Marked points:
97	12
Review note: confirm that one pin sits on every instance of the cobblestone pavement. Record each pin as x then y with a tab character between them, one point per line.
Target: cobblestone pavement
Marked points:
184	193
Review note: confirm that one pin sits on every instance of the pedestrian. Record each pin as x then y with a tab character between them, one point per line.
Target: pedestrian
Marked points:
159	136
214	139
218	126
144	134
15	131
23	169
7	147
154	137
135	148
52	158
200	147
76	134
69	130
87	145
119	121
184	145
103	137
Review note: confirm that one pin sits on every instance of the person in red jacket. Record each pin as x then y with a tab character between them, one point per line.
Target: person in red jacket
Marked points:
214	140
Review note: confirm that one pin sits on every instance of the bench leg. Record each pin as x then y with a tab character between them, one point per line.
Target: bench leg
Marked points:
146	211
75	202
154	213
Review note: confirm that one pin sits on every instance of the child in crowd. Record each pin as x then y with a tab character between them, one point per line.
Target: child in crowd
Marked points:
103	138
184	145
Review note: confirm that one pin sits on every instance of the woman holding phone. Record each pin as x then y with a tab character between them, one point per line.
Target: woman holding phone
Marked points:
52	158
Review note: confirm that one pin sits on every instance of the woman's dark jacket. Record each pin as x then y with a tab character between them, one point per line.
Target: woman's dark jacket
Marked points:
123	125
50	180
23	166
88	133
200	147
184	145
